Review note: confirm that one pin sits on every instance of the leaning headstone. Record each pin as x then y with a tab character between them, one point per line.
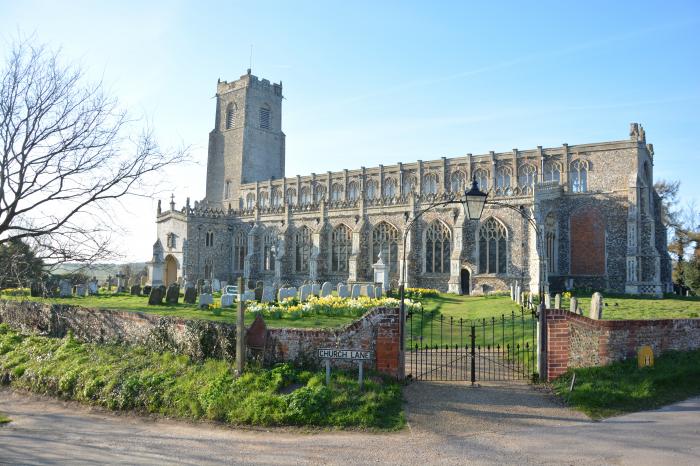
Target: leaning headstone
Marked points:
64	289
557	301
155	296
315	289
268	294
304	292
205	299
356	289
596	306
378	291
135	290
547	301
369	291
326	289
190	295
216	285
343	291
573	305
173	294
227	300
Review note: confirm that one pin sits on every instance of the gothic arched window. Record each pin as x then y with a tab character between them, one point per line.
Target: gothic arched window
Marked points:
458	181
302	249
385	238
341	246
409	185
208	268
230	115
503	176
227	189
319	193
336	192
527	176
579	176
371	189
550	239
291	198
353	191
265	117
268	256
275	198
389	188
492	247
250	201
209	239
437	248
482	179
240	249
430	183
305	196
552	171
263	200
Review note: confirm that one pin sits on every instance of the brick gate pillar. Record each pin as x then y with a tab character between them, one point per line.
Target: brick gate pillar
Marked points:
390	360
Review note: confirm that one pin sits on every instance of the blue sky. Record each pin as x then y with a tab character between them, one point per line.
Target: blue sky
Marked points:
382	82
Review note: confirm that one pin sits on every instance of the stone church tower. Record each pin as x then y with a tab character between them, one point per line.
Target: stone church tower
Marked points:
247	142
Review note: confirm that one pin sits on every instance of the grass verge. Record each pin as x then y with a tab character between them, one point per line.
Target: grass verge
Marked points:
133	378
622	387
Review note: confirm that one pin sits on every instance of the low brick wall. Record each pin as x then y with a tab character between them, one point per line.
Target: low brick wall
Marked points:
376	331
577	341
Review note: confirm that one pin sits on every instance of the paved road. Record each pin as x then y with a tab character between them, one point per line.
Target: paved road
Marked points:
449	423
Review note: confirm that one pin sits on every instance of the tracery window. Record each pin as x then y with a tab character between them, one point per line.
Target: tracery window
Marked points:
552	171
482	179
208	268
389	188
437	248
230	115
458	181
385	238
409	185
336	192
263	200
579	176
492	247
250	201
275	197
341	246
371	189
268	256
353	191
319	193
265	117
302	249
209	239
305	196
171	240
527	176
291	198
550	237
430	183
503	178
240	249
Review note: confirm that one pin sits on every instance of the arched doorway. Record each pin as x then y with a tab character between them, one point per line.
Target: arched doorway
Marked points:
170	269
464	279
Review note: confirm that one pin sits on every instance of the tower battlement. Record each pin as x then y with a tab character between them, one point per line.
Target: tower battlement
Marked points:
249	80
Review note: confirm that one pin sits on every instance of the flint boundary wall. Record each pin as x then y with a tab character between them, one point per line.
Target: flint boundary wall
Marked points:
578	341
376	331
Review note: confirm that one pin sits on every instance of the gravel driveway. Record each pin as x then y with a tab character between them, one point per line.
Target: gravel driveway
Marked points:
449	423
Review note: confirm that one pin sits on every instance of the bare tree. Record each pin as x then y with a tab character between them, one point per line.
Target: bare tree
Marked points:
67	154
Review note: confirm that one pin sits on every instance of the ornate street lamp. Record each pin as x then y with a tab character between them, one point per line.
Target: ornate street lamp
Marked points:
474	201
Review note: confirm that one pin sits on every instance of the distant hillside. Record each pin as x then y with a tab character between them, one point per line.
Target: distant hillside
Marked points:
101	271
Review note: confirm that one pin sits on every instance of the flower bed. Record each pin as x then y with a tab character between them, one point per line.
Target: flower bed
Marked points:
291	308
418	293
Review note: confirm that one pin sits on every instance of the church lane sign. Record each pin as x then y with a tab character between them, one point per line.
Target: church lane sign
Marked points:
335	353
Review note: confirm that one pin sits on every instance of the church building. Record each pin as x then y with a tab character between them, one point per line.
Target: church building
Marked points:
576	216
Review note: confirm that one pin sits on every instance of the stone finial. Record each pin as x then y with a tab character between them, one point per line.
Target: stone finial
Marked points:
172	202
596	312
159	211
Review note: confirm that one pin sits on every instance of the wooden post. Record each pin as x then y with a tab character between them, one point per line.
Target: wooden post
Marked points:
240	331
361	375
328	372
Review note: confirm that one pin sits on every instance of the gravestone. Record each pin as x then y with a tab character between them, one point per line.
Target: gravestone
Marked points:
268	294
523	298
378	291
547	301
326	289
512	292
36	289
64	289
190	295
343	290
596	306
369	291
205	299
259	291
304	292
573	305
356	290
155	296
147	290
216	285
135	290
231	289
207	288
93	288
557	301
227	299
249	295
224	284
81	290
316	289
173	294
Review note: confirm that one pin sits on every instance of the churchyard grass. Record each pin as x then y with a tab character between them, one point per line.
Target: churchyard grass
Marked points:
629	307
122	377
4	419
622	387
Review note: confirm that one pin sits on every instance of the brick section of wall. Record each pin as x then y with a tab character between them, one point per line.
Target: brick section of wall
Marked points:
577	341
377	331
587	242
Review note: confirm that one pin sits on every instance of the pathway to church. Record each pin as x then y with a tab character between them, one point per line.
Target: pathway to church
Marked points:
448	423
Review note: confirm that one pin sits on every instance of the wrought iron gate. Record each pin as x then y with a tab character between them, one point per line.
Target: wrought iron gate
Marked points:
441	347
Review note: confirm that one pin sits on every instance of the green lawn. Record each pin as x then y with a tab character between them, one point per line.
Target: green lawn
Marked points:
133	378
621	307
622	387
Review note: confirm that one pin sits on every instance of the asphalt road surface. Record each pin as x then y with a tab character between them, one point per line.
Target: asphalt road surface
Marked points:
449	423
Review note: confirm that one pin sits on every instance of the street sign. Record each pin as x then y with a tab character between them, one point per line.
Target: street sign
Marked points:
338	353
